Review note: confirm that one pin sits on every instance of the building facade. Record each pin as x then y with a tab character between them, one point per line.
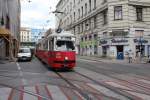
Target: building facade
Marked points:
25	34
108	28
26	37
9	27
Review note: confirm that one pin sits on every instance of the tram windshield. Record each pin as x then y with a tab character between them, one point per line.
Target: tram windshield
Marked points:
65	45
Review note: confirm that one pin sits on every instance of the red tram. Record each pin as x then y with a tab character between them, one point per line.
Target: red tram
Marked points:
57	50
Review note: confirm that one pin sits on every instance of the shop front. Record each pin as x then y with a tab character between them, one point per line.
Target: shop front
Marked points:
8	45
142	47
89	45
119	45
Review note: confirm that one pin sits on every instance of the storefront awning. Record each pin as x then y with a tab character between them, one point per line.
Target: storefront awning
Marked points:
4	32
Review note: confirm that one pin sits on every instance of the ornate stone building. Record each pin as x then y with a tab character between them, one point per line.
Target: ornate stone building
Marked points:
108	28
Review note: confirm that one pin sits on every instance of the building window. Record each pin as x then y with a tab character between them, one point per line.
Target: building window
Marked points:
8	23
118	13
86	25
74	2
74	29
70	6
90	5
139	13
85	8
94	4
82	27
90	37
82	39
104	34
95	21
70	19
90	23
78	13
139	33
78	29
82	10
104	1
74	16
105	17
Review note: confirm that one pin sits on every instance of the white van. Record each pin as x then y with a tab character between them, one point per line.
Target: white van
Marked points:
24	54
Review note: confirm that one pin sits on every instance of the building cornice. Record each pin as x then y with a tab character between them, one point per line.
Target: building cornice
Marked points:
137	3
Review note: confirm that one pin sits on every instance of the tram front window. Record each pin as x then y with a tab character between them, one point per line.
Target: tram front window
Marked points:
65	45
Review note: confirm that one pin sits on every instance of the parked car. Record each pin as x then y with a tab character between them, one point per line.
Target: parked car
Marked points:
24	54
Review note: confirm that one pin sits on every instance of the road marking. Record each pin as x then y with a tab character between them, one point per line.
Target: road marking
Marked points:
19	68
144	81
56	93
143	96
5	93
114	84
87	60
49	94
82	98
107	91
29	96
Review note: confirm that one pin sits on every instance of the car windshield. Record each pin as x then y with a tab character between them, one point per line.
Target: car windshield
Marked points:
24	51
65	45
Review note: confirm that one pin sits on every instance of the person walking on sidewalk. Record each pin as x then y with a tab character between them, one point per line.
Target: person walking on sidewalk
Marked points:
130	54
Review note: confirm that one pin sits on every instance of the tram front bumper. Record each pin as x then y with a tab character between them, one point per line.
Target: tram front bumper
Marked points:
64	64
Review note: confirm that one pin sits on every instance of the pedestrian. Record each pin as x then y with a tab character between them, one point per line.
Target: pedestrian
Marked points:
130	54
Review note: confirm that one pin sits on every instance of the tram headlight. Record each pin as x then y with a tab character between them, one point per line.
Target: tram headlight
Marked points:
66	58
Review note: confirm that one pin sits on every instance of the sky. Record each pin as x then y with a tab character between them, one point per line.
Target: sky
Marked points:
36	14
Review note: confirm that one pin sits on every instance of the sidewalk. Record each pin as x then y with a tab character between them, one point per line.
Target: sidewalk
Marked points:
6	62
109	60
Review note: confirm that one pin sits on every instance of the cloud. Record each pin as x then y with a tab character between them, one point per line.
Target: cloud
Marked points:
36	13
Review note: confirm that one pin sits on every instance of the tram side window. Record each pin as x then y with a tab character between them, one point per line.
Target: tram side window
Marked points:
51	46
46	45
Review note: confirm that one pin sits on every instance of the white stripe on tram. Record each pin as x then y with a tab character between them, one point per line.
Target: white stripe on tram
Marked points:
28	96
4	93
56	93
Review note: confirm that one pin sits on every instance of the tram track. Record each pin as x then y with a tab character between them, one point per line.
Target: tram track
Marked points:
106	86
85	95
104	71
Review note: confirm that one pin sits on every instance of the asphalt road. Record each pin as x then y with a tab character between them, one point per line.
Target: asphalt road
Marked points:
90	80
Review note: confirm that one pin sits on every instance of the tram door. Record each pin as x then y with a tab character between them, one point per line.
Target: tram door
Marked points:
120	54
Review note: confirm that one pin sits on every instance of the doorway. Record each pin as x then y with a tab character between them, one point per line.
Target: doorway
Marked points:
120	53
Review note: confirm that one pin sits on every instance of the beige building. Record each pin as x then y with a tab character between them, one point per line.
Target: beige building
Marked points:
108	27
9	27
25	34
